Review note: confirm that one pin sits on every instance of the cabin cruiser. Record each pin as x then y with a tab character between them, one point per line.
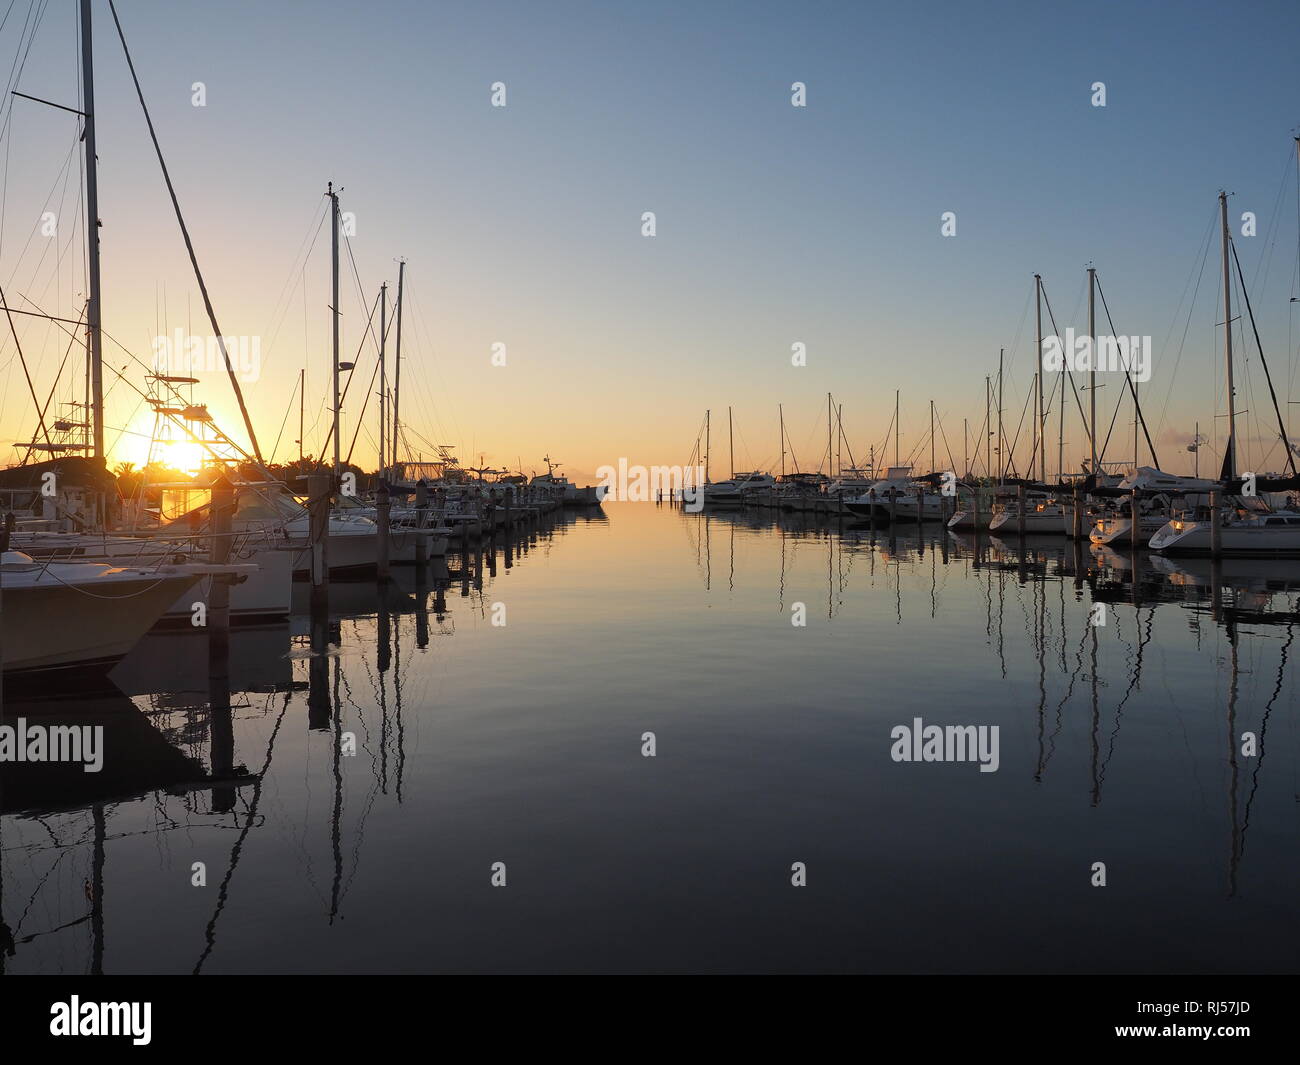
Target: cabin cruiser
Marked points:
62	615
565	491
1248	528
912	500
735	488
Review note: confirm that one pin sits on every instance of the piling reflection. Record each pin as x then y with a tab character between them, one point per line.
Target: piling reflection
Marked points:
303	746
175	716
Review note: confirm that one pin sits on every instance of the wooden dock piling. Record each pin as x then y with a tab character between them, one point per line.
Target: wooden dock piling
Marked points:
319	491
382	506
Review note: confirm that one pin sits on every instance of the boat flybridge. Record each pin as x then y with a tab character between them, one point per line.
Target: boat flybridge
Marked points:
736	487
912	499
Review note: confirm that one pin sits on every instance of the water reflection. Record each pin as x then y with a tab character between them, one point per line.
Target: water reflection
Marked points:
394	745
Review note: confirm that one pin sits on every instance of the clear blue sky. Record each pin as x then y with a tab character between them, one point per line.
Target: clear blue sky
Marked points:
775	224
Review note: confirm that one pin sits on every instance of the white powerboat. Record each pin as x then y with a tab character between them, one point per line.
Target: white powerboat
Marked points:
265	593
61	615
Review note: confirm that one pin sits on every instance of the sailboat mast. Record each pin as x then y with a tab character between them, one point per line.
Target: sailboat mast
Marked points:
1040	422
302	407
988	425
93	313
780	413
397	371
1002	459
1092	366
895	427
830	453
1230	454
932	436
334	308
706	446
731	443
383	376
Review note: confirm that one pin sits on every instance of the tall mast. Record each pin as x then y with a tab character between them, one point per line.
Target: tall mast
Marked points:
780	413
896	427
1092	366
1230	454
988	425
1060	427
830	453
731	443
397	370
839	440
93	313
706	446
932	436
1041	421
1002	458
302	407
383	377
965	446
334	307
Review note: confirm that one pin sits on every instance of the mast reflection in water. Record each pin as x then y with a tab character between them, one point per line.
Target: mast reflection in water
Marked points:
348	786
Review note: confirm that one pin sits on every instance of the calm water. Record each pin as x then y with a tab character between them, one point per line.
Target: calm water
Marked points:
521	743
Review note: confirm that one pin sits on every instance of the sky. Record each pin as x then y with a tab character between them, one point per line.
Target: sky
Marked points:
775	225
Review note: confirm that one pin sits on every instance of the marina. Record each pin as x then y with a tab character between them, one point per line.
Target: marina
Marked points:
638	489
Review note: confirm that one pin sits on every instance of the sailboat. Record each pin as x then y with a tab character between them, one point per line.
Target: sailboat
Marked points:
1247	525
1159	495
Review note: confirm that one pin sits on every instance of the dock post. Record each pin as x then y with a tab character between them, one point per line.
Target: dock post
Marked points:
319	490
421	523
920	507
893	505
382	506
223	512
1134	527
6	530
1077	517
1216	526
1021	503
